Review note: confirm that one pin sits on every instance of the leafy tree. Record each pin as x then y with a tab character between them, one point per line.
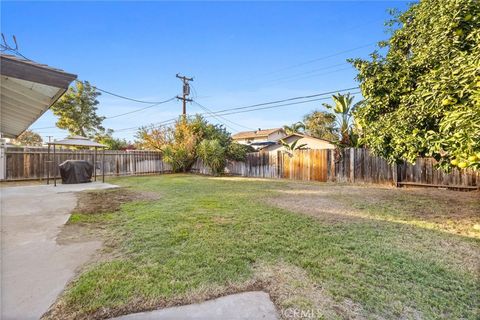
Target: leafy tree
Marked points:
29	138
213	155
343	110
181	151
422	98
111	142
321	125
297	127
77	111
238	152
153	138
180	144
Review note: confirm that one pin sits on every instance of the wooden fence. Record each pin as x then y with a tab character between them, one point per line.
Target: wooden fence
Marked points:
26	163
348	165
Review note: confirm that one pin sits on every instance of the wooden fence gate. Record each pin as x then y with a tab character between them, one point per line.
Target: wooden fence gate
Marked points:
304	165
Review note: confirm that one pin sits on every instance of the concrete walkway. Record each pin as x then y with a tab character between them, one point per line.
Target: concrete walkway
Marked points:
254	305
35	269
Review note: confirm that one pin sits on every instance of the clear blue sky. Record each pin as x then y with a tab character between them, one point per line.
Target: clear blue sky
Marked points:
239	53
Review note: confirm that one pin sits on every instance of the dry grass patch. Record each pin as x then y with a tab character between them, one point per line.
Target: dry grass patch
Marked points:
450	211
300	297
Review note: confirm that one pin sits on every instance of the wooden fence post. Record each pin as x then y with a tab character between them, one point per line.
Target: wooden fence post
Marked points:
395	174
352	165
332	165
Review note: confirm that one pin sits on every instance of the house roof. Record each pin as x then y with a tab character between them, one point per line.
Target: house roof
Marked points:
300	135
28	89
255	134
305	136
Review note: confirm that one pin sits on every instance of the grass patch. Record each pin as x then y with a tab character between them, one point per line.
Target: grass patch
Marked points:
206	237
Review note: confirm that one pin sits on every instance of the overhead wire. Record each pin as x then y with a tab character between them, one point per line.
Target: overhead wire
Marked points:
141	109
253	107
320	58
290	99
275	106
220	118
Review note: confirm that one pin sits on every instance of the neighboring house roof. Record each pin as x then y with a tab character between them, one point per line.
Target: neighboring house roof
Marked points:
28	89
256	133
263	143
299	135
305	136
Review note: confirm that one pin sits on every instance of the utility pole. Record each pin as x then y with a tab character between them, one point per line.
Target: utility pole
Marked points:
186	92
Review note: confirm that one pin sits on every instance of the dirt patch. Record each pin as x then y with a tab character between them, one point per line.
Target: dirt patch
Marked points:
98	202
109	200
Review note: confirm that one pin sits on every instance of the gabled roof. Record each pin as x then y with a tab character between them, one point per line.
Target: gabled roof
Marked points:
28	89
256	133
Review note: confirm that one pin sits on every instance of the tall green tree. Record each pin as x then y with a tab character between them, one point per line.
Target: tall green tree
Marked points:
422	97
321	124
343	109
77	111
29	138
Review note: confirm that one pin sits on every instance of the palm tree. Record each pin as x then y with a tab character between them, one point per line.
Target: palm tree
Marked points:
297	127
292	146
343	109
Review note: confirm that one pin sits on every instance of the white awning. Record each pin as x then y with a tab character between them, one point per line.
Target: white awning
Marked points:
27	89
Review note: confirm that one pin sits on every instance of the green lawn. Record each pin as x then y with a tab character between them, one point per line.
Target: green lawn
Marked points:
205	237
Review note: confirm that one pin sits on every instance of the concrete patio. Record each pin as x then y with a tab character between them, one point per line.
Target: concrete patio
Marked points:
35	268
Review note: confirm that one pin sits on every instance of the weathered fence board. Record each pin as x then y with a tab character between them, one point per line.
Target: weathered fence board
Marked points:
24	163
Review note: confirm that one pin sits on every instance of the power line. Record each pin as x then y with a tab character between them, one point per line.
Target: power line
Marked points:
275	106
312	71
216	117
320	58
250	108
120	96
165	122
309	76
17	52
220	117
288	99
141	109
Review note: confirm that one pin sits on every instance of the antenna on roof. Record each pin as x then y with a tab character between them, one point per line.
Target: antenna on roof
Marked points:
16	44
4	46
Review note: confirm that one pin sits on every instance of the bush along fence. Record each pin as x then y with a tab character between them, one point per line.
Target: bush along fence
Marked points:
30	163
348	165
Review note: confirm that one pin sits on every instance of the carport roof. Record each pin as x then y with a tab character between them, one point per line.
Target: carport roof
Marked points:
28	89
